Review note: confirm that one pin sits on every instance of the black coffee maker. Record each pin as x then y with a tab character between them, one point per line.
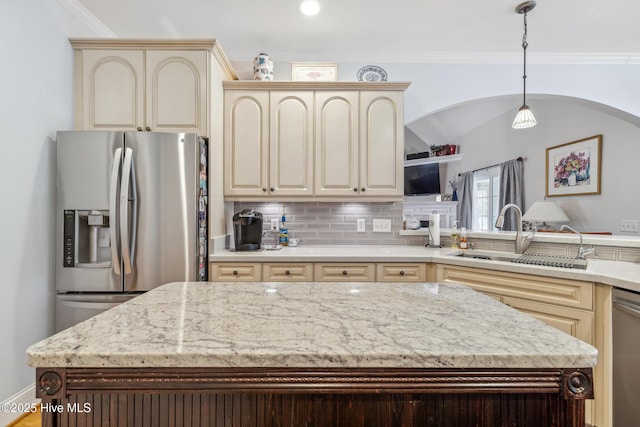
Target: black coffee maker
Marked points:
247	230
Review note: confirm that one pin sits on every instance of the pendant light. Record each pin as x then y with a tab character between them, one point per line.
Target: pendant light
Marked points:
524	118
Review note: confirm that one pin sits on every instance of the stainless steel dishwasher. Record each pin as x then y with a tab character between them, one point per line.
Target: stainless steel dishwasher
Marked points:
626	358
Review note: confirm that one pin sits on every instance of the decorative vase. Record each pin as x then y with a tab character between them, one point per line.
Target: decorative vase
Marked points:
571	180
454	196
263	67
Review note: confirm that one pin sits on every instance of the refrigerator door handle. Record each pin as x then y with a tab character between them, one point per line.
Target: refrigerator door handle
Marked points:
113	205
128	183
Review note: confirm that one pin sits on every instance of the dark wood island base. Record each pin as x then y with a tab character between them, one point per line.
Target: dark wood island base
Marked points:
296	397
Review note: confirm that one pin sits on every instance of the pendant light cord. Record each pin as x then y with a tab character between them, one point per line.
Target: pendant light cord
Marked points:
524	73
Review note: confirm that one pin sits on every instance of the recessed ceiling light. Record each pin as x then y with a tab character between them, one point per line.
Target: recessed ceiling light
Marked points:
309	7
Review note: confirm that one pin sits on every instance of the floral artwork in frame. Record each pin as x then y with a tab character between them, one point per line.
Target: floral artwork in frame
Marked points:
573	169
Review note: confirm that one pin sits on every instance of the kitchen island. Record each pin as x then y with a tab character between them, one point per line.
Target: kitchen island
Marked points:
313	354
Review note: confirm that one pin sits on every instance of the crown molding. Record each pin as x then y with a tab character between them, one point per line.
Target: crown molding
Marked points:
303	85
482	58
86	17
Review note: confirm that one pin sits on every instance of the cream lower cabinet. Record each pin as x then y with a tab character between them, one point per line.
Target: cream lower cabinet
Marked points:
235	272
319	272
301	140
567	305
127	85
287	272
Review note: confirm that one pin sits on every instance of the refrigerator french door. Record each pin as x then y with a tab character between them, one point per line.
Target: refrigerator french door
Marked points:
131	215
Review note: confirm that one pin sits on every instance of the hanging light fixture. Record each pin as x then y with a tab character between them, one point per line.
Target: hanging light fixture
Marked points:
524	118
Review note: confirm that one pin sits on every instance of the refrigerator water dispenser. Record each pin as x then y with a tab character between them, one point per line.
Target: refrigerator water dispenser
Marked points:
86	239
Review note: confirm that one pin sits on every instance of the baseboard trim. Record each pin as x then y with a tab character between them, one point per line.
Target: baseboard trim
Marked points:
21	399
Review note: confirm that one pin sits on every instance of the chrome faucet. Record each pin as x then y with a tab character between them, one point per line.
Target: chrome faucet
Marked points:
582	252
522	242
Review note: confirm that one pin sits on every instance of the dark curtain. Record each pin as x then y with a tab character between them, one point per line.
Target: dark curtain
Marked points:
511	188
465	203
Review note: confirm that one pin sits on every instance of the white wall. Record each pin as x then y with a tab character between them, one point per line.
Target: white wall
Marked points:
560	122
36	87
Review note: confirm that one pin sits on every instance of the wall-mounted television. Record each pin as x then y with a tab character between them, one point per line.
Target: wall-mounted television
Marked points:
422	179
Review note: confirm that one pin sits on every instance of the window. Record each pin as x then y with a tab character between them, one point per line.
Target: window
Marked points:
486	187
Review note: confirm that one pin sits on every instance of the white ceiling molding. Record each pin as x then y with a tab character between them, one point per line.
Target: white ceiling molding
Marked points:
88	18
513	58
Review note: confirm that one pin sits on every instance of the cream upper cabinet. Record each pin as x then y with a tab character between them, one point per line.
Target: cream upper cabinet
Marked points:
246	143
291	143
138	88
176	91
326	140
268	143
112	94
381	143
336	144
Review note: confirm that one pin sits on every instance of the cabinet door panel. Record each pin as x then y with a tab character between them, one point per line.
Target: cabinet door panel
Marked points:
176	90
291	143
112	90
246	143
381	143
577	323
336	143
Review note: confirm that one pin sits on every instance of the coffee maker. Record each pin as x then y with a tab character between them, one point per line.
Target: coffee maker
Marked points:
247	230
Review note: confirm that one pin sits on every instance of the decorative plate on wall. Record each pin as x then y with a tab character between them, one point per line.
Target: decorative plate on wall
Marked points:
372	73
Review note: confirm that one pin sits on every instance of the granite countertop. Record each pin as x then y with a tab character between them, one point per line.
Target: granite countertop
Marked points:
625	275
261	324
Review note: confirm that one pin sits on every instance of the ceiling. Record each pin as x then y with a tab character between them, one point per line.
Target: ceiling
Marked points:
383	32
380	31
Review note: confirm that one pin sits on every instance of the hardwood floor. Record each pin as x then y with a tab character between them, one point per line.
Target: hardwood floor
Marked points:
27	420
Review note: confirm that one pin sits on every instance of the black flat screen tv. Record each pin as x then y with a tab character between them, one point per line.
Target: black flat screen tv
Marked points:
422	179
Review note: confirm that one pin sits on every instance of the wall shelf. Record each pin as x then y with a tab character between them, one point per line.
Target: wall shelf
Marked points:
435	159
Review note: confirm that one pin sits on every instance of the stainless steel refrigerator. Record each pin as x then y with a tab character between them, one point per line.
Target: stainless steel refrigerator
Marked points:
131	216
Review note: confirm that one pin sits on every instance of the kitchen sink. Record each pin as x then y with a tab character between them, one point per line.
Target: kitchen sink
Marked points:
528	259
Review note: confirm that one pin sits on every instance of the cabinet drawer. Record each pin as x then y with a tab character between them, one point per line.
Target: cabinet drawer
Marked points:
401	272
338	272
238	272
286	272
568	293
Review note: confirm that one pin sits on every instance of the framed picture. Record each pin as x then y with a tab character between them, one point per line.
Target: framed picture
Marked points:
573	169
314	72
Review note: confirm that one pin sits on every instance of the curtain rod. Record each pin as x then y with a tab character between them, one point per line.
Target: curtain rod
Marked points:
520	159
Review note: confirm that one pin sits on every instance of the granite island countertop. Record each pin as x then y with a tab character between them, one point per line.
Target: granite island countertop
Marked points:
621	274
272	324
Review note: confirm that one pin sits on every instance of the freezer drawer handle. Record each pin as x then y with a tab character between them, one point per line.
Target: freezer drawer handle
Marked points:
113	203
128	240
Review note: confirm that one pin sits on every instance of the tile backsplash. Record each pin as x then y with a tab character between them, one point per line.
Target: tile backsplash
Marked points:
327	223
334	223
